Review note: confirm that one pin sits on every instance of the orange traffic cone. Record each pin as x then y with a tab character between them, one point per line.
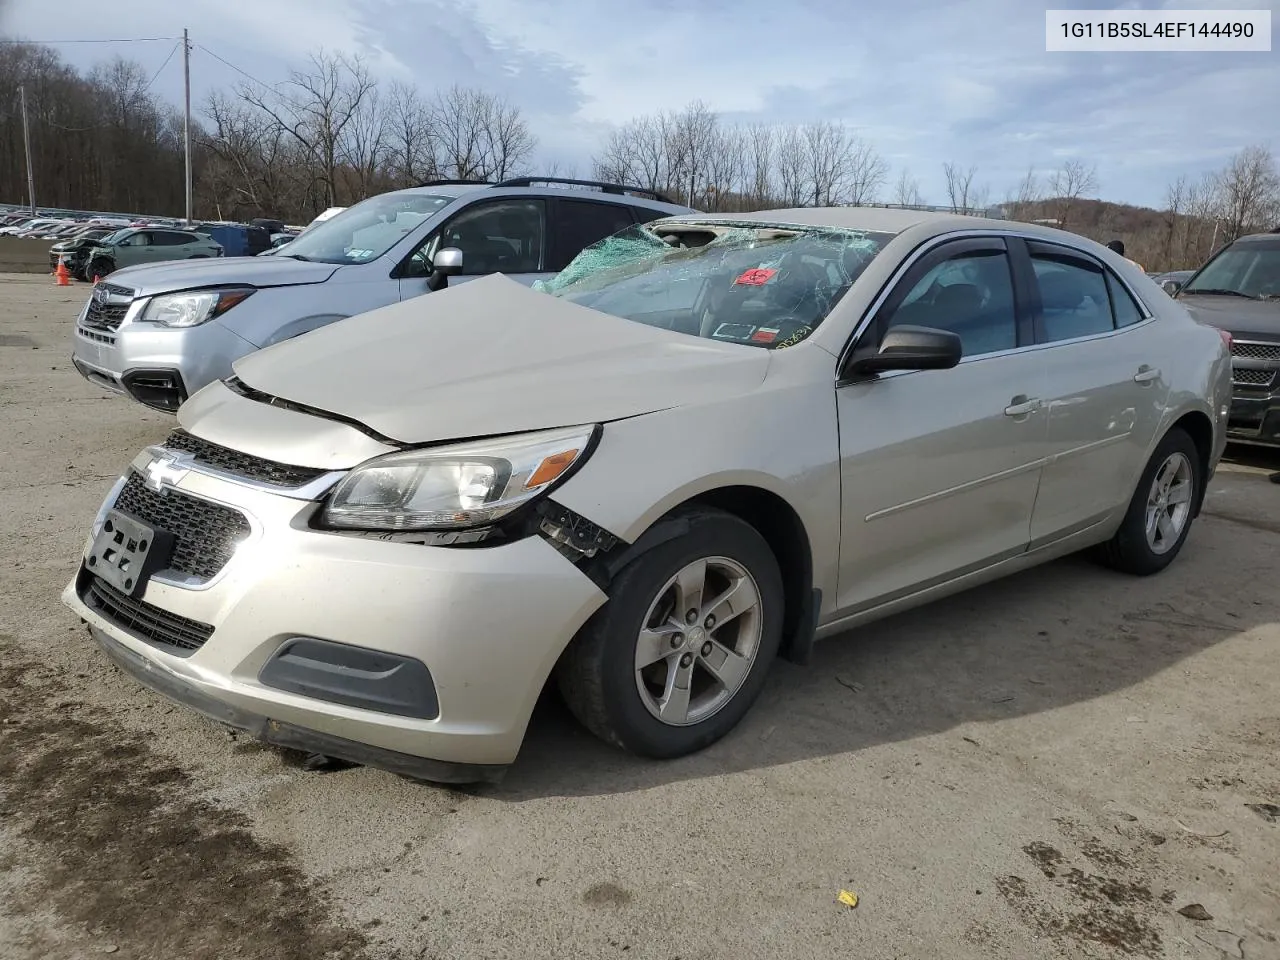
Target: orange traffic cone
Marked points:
96	279
63	274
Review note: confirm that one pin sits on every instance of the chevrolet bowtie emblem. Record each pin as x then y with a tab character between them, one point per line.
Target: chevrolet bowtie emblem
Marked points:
165	470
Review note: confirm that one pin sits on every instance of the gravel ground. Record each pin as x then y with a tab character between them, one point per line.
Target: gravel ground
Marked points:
1051	766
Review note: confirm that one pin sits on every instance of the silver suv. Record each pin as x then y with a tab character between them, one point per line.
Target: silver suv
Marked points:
158	333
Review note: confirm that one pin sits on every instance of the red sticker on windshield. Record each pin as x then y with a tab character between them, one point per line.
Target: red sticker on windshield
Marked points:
765	335
755	278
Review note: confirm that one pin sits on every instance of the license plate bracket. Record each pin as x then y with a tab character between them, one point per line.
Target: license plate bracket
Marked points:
126	552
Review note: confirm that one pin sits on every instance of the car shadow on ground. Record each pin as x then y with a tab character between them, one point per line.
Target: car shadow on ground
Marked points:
1262	458
1064	633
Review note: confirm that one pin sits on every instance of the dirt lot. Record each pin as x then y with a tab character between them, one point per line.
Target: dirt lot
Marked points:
1052	766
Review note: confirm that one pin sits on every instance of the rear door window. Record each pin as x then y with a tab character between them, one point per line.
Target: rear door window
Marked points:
580	223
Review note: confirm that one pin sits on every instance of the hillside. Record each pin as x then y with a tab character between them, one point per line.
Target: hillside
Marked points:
1157	239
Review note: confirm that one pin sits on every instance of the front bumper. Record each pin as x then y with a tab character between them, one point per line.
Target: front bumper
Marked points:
157	366
488	623
1254	417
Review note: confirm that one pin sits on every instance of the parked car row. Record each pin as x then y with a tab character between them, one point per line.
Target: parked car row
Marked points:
507	435
96	246
94	254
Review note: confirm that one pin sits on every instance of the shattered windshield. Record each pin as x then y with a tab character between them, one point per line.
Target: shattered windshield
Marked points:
767	286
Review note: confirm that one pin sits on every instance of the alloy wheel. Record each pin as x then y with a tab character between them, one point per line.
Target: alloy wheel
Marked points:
1169	502
699	641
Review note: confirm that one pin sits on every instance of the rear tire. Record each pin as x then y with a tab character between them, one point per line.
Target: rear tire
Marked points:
1162	509
683	646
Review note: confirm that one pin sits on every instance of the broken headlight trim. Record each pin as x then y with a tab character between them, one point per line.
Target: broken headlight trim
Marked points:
456	487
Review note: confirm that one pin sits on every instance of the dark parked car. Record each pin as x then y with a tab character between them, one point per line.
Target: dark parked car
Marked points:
1238	291
1173	280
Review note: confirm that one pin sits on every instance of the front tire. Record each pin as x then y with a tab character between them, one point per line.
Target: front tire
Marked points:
1162	509
675	658
100	267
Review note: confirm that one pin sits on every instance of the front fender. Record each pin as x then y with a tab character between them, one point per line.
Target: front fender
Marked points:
295	328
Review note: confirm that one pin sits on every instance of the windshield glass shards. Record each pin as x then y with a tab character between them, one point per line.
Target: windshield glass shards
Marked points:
766	286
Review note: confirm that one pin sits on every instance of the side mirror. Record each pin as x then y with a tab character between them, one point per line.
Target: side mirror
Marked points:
446	263
909	348
1171	287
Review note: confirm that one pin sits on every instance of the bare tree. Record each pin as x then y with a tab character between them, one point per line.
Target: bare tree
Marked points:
637	153
827	150
690	138
479	136
251	169
1204	211
726	158
959	186
508	137
792	164
1175	209
1068	184
569	171
316	107
760	147
1026	195
906	191
864	172
1250	192
410	147
364	147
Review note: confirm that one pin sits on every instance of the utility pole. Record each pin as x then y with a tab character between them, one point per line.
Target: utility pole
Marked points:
26	141
186	120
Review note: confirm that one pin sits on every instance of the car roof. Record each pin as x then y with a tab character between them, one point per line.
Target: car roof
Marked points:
456	190
1273	237
874	219
892	220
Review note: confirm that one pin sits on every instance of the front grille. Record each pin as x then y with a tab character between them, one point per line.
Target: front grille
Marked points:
96	336
108	316
144	620
205	534
1255	351
1253	378
104	316
242	464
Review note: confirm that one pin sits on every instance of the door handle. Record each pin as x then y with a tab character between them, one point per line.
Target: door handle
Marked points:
1021	405
1146	374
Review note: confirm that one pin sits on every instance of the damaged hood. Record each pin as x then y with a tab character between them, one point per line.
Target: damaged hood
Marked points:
492	356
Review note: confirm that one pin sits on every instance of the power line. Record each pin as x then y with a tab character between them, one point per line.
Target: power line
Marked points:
274	88
156	76
236	69
50	43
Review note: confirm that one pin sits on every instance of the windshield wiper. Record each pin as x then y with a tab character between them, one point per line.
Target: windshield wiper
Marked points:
298	256
1211	291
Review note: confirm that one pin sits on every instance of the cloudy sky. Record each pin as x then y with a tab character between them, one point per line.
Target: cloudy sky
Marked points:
926	81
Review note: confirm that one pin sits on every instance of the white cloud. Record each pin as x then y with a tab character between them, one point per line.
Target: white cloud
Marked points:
925	80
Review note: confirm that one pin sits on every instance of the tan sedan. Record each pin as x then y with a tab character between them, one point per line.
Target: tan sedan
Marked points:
707	442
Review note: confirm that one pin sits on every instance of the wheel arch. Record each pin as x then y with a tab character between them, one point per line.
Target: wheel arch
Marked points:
1197	425
783	530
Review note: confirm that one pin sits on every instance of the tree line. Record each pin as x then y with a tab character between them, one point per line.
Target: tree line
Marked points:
331	134
328	135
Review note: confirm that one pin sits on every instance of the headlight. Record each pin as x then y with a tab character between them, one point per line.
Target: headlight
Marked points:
194	308
455	487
